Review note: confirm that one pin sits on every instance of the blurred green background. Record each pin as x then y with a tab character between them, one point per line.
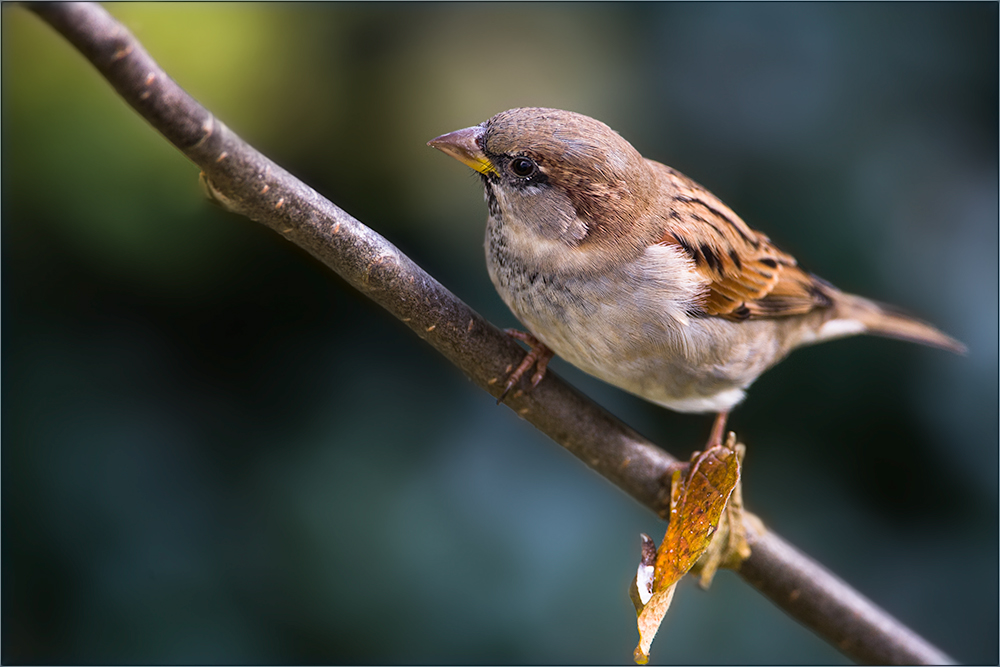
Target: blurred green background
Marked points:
215	451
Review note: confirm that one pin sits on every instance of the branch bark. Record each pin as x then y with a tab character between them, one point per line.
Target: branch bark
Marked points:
247	182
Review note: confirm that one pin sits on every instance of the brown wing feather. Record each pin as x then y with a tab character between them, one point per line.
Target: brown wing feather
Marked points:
748	276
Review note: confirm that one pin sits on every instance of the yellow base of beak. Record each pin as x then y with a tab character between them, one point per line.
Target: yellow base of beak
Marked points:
464	146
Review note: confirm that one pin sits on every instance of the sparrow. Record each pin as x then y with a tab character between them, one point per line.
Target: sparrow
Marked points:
637	275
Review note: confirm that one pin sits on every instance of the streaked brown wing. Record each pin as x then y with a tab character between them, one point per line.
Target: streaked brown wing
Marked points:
748	276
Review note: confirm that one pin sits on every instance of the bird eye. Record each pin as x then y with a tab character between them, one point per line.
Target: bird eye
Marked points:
522	166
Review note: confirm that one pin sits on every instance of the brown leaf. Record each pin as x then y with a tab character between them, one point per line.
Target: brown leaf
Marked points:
696	504
729	546
649	622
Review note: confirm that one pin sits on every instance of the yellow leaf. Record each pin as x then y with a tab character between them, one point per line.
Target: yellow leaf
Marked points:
696	505
697	502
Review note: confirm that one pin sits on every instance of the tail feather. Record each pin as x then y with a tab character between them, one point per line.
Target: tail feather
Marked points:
881	320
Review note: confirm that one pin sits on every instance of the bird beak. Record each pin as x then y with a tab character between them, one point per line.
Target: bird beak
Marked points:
465	146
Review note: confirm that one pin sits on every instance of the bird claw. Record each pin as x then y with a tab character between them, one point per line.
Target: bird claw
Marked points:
538	356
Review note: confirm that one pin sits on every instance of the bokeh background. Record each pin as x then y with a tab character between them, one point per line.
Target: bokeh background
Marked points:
215	451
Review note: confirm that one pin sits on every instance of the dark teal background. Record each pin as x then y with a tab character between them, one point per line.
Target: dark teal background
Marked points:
214	451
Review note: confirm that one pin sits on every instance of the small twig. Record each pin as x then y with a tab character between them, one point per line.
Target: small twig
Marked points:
249	183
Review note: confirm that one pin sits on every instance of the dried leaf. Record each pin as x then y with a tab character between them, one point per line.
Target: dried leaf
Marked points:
729	546
697	502
696	505
649	622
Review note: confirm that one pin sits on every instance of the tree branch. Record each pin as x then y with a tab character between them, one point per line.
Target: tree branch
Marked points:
247	182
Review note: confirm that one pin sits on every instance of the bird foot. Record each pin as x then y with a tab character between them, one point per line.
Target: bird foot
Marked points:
538	356
718	430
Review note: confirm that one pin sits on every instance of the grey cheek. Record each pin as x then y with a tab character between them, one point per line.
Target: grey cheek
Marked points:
575	231
549	213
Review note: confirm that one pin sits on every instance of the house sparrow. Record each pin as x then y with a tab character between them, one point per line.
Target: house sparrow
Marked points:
636	274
